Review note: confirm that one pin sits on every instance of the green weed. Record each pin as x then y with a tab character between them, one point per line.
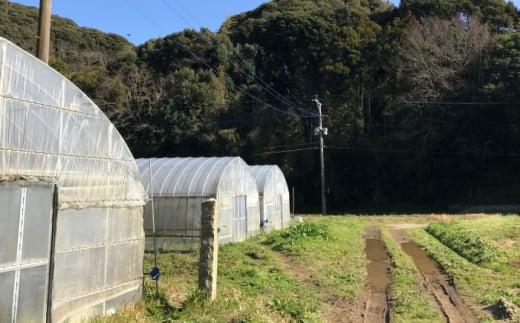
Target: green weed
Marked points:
287	240
292	308
466	243
478	286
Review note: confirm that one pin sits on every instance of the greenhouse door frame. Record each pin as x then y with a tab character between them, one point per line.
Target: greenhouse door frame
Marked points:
52	254
28	260
240	218
278	210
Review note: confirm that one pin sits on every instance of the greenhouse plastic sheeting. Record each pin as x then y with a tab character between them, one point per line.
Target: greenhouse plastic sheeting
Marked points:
180	185
274	196
50	130
200	176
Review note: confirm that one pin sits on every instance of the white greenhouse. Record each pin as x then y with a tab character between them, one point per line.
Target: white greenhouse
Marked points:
71	199
274	197
180	185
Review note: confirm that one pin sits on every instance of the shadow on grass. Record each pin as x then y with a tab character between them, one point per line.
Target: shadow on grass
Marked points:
157	303
158	306
502	310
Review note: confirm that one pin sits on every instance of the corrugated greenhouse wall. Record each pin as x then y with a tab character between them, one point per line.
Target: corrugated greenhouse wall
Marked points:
98	261
50	132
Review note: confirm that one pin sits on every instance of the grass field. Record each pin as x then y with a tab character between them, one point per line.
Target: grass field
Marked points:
316	270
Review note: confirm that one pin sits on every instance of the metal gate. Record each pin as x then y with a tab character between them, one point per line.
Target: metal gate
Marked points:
26	217
240	218
278	211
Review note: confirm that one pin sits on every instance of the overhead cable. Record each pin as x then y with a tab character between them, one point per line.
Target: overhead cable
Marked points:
257	80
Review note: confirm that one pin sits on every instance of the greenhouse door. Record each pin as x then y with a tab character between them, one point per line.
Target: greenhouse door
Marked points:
240	218
26	217
278	211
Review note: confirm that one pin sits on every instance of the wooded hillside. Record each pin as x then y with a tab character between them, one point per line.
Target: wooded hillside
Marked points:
422	101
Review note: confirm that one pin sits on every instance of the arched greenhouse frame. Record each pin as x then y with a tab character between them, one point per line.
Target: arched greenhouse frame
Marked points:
72	200
178	187
273	196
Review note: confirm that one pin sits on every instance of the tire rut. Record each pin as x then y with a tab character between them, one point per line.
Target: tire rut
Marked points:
440	285
376	300
377	306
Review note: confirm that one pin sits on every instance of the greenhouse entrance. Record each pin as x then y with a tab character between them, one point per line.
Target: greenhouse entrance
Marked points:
240	218
278	210
25	237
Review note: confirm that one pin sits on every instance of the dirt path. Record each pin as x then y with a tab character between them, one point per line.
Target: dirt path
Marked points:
373	305
440	285
340	307
377	307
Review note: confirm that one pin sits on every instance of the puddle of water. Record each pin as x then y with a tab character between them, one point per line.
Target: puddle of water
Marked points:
420	258
449	301
378	265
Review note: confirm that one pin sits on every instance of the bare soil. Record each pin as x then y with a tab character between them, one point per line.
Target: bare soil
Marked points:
377	308
441	286
373	305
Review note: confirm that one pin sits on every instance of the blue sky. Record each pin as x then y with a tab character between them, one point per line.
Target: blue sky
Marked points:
141	20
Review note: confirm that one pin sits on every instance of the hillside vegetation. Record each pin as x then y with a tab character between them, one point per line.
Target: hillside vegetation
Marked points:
421	101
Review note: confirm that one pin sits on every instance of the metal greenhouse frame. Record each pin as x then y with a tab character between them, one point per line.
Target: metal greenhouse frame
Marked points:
180	185
274	196
71	200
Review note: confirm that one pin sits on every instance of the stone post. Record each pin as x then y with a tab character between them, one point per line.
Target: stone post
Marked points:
208	261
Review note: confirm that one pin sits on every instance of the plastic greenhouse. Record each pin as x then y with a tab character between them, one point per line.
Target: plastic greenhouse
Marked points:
180	185
71	200
274	197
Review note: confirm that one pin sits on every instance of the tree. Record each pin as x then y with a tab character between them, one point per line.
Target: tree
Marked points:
133	103
437	53
503	72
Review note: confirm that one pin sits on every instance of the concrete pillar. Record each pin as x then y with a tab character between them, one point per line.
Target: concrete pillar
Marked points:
208	261
44	31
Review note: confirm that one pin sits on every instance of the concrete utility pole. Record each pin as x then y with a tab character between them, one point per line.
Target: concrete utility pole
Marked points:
320	131
44	30
208	259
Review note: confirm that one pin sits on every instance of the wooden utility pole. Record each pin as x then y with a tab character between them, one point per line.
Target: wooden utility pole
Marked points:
44	30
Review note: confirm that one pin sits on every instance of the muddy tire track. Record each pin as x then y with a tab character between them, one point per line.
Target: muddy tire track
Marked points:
440	285
377	307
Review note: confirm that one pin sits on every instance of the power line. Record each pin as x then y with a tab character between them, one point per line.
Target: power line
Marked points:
285	151
425	152
457	103
187	13
291	146
263	85
312	146
242	69
266	87
146	16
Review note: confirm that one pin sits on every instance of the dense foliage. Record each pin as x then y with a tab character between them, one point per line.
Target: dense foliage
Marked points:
467	244
420	101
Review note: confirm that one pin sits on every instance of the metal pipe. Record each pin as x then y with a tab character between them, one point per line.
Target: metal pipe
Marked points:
153	227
